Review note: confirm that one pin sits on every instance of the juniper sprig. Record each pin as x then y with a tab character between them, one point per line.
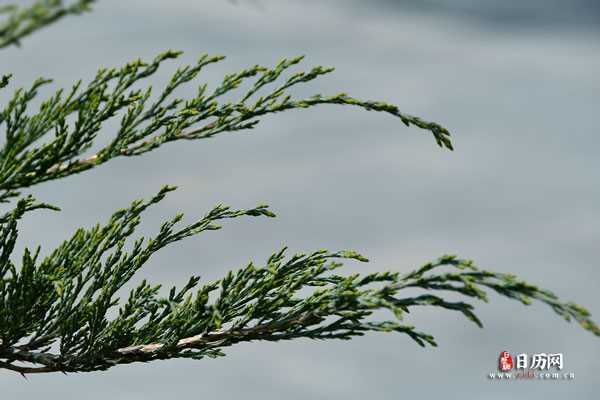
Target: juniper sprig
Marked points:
23	21
144	124
64	312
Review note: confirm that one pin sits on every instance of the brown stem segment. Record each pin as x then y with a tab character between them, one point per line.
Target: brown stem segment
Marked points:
147	352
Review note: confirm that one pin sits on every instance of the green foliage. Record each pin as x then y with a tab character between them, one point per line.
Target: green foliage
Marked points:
65	300
63	312
145	124
22	21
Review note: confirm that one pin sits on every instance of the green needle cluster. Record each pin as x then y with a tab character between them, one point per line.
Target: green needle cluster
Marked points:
63	312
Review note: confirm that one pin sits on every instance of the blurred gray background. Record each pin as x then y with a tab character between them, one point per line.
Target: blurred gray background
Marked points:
517	84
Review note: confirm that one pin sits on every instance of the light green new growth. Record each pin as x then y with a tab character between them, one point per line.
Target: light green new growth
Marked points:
62	313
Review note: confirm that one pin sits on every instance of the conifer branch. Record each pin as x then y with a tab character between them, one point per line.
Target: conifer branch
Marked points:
63	313
23	21
145	124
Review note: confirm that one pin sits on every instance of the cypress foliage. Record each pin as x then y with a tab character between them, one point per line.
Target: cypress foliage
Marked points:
61	313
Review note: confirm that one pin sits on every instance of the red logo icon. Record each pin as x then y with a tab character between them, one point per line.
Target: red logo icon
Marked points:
506	361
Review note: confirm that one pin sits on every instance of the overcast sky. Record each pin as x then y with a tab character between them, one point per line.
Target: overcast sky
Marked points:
516	83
